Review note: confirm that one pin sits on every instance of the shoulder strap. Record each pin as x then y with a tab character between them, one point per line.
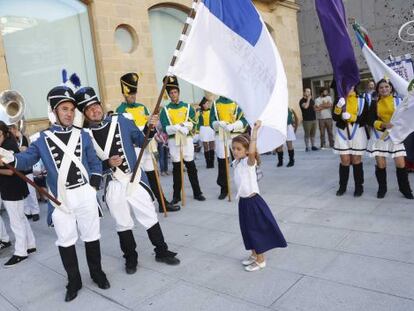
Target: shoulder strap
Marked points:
166	113
69	150
215	110
188	112
103	154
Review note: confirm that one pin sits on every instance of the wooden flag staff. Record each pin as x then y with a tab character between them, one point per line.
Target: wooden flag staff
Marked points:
156	110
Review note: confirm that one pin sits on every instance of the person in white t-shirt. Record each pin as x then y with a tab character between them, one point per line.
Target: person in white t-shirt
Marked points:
258	226
323	108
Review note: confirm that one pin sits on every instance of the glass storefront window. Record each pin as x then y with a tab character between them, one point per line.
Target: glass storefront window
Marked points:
41	38
166	25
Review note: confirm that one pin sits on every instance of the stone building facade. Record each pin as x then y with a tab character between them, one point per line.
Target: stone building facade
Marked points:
106	16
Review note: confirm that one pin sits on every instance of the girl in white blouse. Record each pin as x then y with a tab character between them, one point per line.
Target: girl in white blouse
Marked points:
259	228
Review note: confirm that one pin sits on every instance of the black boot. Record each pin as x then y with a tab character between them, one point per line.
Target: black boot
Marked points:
381	174
93	257
162	254
176	182
279	158
128	246
404	184
291	158
211	156
193	177
70	263
152	179
207	157
359	179
222	178
343	179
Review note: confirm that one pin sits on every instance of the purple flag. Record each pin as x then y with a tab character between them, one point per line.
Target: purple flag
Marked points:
331	15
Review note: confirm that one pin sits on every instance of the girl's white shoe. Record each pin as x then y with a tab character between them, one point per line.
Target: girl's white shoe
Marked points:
247	262
255	266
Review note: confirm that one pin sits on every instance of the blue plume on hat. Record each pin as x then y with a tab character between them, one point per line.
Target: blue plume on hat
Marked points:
64	75
75	80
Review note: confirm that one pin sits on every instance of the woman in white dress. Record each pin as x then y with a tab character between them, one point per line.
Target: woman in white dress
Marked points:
381	146
351	136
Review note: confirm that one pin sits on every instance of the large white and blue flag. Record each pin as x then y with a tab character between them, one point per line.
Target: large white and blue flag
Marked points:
230	52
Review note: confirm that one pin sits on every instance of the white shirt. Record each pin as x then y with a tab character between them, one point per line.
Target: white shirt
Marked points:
324	113
245	178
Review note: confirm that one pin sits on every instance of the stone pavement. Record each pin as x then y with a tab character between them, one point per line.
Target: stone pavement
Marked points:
343	254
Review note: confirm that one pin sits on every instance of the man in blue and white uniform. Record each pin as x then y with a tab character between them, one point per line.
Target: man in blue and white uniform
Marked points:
74	174
115	138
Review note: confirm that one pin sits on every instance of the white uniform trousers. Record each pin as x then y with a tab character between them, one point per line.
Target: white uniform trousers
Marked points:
20	226
188	150
146	162
31	205
84	216
122	202
4	237
220	147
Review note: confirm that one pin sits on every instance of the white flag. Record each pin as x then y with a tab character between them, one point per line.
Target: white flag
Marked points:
403	118
378	68
230	52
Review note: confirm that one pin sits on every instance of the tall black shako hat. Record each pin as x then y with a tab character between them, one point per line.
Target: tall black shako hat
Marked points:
129	83
85	97
172	83
60	94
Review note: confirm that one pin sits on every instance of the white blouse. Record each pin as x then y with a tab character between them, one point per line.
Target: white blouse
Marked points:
245	178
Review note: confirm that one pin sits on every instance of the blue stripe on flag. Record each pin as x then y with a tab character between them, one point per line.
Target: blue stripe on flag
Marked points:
239	15
361	40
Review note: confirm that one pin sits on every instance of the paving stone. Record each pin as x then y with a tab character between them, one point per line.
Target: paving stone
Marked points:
380	245
311	294
188	297
371	273
313	235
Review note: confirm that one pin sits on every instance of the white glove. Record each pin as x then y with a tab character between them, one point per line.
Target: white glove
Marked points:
341	102
172	129
184	130
346	115
230	127
6	155
188	125
222	124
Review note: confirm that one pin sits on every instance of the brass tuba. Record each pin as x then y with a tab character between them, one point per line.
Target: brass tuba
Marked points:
12	108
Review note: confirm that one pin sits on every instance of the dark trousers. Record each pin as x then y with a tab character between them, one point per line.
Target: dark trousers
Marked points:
192	176
152	180
222	176
163	157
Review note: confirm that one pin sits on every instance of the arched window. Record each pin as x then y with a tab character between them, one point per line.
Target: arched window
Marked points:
166	25
41	38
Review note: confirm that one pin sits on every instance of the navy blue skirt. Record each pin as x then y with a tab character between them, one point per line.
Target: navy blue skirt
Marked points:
258	226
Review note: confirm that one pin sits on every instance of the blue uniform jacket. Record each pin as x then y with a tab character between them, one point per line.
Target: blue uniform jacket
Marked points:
130	137
39	149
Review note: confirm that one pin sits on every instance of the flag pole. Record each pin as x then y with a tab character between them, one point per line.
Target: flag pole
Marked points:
226	156
157	178
156	110
32	183
182	172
